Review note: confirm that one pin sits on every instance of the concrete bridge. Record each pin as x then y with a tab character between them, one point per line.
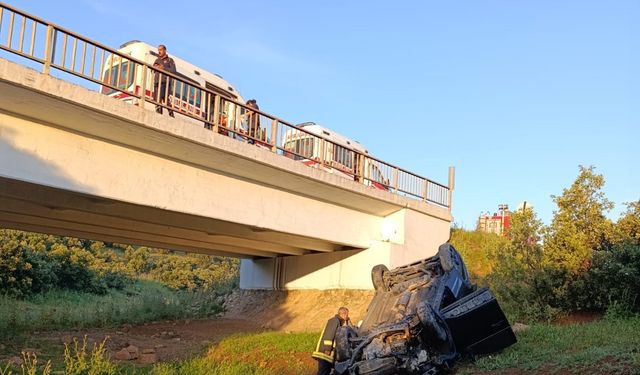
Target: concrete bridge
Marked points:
78	163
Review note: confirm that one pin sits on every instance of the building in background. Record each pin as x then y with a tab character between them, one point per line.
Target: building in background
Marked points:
497	223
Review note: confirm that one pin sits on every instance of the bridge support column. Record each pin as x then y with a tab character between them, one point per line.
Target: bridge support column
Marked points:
405	236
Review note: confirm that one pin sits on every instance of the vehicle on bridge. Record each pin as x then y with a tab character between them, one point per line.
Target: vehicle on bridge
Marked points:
423	317
186	97
122	78
340	156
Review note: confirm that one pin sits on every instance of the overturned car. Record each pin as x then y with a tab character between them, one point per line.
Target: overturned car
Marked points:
423	317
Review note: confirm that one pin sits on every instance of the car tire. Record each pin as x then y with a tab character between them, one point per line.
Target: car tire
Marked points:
378	277
450	259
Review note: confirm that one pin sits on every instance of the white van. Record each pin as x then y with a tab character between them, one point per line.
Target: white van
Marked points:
186	98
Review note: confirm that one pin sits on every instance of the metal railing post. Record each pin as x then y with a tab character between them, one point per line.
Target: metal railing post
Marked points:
237	120
216	113
274	135
425	190
361	162
143	88
451	185
395	179
323	151
48	50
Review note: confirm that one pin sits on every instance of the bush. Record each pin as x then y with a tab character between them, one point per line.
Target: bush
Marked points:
23	271
197	272
33	263
78	361
613	281
478	250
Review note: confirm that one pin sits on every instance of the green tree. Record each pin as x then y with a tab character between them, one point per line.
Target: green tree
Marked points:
613	281
627	228
579	226
520	277
478	249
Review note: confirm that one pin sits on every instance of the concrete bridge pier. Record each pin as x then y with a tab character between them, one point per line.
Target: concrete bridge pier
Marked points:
405	236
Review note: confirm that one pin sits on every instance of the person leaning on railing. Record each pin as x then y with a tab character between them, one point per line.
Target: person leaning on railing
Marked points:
253	118
161	83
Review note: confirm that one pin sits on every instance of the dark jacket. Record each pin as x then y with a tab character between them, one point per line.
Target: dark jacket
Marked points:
167	64
325	350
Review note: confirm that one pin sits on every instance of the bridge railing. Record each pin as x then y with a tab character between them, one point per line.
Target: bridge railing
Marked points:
126	78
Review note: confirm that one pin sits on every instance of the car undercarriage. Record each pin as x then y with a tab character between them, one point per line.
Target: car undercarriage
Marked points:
423	317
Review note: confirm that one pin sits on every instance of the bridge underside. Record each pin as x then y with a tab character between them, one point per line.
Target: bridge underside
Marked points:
38	208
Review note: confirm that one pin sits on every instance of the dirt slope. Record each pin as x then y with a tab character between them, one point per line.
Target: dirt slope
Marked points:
295	310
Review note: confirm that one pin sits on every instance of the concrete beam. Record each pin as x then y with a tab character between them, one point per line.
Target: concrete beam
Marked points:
51	202
108	224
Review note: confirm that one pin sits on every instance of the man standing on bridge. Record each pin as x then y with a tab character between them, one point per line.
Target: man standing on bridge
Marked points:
325	350
161	83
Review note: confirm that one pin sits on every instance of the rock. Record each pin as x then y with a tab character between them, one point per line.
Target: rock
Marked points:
133	350
168	334
158	346
119	333
519	327
126	328
148	358
15	361
123	355
148	351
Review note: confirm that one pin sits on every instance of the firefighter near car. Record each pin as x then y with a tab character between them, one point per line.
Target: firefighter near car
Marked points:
325	350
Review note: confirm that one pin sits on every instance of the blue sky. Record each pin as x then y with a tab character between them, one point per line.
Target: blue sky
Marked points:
514	94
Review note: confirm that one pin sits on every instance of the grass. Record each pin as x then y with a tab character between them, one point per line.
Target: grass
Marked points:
141	302
267	353
610	345
606	346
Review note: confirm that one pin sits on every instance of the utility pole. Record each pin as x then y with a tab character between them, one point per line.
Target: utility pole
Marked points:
502	208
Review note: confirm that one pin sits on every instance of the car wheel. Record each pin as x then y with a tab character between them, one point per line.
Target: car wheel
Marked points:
451	259
378	277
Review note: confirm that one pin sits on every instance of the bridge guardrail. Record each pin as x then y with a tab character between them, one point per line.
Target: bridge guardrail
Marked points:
56	47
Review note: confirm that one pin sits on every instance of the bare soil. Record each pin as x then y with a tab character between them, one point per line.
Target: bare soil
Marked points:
579	317
296	310
246	311
171	340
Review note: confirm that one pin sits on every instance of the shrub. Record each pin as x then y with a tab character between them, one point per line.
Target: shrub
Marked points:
77	361
32	263
22	270
196	272
613	279
478	250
